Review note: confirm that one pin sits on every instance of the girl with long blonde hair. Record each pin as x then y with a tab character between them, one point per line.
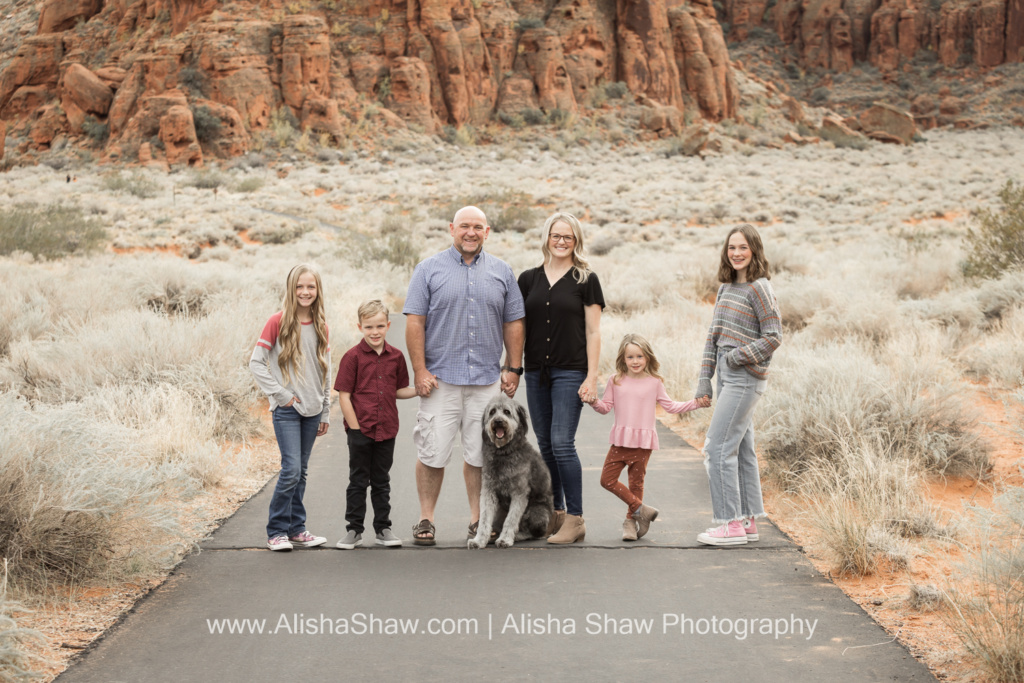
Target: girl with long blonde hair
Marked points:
290	363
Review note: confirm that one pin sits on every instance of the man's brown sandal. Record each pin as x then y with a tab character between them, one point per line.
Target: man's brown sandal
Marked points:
424	527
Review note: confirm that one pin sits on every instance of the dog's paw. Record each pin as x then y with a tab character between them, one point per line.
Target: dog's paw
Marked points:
479	541
504	542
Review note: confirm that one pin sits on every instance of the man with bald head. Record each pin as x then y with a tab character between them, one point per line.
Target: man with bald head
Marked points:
463	306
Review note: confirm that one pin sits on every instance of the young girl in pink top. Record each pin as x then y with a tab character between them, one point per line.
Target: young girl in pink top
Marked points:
633	393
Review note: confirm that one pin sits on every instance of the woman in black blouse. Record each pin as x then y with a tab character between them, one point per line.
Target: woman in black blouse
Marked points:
563	344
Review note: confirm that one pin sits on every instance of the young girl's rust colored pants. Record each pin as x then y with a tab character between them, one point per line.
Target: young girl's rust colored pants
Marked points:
618	459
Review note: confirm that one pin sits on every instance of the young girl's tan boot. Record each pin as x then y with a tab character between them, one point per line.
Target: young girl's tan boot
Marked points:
573	529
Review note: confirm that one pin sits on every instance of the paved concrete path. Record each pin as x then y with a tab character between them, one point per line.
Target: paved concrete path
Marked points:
661	609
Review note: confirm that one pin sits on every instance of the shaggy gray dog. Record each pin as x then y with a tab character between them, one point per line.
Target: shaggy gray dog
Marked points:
516	491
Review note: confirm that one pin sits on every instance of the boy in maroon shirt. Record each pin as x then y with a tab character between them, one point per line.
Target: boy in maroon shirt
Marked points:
372	374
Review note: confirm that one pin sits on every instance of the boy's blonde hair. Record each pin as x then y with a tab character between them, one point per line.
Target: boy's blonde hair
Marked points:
368	309
645	348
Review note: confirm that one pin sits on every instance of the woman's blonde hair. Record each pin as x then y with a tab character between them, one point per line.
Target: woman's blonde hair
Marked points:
290	335
758	267
579	260
645	348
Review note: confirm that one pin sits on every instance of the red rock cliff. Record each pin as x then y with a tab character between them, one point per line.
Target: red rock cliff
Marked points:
168	72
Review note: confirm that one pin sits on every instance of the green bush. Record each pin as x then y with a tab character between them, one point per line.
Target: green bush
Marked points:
616	90
207	123
49	231
95	130
997	245
532	117
527	23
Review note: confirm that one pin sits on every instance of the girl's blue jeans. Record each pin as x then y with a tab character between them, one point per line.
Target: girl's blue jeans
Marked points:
295	436
555	415
729	446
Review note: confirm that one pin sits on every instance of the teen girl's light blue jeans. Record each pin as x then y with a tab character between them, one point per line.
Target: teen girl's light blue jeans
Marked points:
729	446
295	436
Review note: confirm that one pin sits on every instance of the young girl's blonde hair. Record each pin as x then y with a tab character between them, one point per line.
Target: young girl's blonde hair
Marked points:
290	334
645	348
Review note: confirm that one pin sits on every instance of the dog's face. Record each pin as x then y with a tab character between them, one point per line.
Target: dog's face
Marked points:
504	419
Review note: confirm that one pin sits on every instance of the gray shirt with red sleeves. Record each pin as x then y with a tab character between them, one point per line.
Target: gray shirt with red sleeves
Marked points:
308	383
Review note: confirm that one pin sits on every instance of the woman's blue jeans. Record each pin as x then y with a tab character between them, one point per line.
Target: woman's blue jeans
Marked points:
555	414
729	446
295	436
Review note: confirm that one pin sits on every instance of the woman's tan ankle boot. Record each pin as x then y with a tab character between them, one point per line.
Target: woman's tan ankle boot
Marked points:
556	523
573	529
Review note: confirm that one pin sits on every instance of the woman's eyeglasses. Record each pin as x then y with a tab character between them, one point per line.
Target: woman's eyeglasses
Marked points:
567	239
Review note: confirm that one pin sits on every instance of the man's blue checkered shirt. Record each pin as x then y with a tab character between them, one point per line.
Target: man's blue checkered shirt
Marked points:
466	307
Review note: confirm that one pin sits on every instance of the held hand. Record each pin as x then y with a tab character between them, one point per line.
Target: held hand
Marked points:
425	382
322	429
588	390
704	401
509	383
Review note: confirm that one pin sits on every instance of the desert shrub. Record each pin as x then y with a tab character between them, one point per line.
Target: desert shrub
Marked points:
506	210
616	90
250	184
996	244
95	130
192	79
73	490
172	289
395	244
513	120
207	124
205	180
842	141
137	184
987	601
17	662
603	245
559	117
283	125
859	502
833	393
527	23
50	231
532	117
820	95
279	234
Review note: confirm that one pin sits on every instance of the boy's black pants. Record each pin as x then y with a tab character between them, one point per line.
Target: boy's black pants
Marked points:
369	464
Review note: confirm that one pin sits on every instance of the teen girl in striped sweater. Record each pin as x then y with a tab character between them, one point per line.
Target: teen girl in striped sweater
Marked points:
745	332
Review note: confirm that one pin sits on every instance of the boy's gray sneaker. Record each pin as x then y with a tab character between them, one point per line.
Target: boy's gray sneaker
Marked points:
351	540
386	538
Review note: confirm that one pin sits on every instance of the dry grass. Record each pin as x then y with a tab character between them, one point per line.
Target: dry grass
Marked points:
987	603
882	330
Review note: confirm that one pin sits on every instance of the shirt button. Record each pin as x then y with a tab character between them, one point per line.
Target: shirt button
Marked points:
547	303
549	338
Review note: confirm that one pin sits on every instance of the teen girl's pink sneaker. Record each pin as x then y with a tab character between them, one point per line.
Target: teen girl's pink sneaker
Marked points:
750	526
725	535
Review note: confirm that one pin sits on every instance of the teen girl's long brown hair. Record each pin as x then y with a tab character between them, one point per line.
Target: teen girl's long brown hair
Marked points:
645	348
758	267
290	334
